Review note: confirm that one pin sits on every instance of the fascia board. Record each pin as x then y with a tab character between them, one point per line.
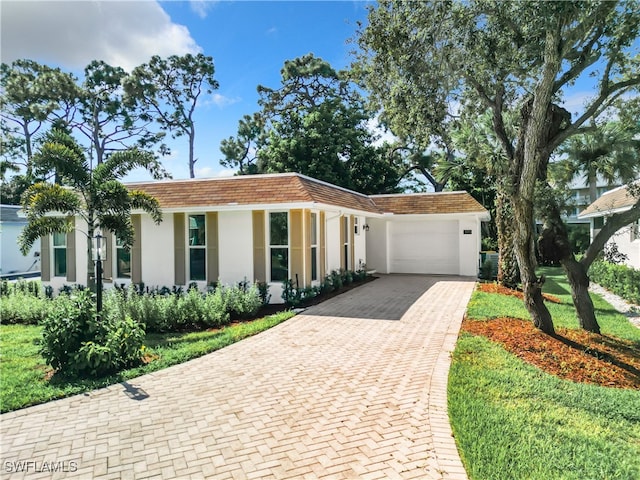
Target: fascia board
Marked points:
605	213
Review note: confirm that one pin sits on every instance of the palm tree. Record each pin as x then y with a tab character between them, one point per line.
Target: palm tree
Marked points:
94	195
611	152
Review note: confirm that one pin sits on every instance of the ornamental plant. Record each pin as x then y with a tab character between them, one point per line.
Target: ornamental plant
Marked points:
78	343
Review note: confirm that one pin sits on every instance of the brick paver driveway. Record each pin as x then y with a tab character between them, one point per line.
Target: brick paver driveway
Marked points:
353	388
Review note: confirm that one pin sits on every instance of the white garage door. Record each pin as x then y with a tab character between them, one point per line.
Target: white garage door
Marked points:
424	247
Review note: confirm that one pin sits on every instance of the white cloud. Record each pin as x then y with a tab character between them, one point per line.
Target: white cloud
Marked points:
70	34
383	135
201	7
218	100
225	173
211	172
221	100
575	103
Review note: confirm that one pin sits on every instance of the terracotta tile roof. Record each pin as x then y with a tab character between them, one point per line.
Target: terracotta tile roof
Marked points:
252	190
440	202
295	188
613	200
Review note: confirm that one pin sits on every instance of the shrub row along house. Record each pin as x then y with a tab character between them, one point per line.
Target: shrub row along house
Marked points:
271	228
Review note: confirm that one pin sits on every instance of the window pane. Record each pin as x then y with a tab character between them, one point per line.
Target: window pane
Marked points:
196	230
314	229
278	229
123	263
60	262
314	263
279	264
346	256
59	239
197	264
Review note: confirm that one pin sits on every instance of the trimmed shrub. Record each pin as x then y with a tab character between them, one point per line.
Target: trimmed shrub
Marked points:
24	308
295	296
620	279
216	308
24	301
242	301
180	311
31	288
78	343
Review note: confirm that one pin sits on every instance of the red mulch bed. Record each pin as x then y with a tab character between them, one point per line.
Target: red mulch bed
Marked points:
574	355
497	288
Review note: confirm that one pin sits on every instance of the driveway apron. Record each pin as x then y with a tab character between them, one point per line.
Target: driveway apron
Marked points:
352	388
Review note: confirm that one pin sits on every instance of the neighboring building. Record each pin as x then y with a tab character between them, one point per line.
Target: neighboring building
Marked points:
627	239
581	196
270	228
12	262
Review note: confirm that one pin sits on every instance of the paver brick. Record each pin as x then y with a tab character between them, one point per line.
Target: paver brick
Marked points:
353	388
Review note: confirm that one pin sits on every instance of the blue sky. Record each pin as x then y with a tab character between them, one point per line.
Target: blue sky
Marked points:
249	42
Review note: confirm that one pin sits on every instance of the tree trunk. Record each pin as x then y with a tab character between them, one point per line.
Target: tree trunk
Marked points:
540	121
592	179
27	144
524	250
554	246
192	161
579	282
508	272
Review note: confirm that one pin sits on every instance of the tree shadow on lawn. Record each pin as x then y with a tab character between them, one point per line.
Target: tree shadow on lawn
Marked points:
571	354
552	287
613	344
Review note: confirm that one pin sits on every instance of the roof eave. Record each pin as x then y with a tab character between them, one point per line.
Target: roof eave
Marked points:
605	213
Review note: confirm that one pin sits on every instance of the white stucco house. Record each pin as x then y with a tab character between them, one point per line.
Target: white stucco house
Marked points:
270	228
12	262
627	239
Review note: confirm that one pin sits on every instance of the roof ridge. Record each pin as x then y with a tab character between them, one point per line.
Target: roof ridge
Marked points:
417	193
322	182
621	187
214	179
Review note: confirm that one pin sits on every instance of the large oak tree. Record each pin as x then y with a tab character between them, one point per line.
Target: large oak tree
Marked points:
423	61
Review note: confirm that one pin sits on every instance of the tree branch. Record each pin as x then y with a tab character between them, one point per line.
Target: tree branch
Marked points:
594	109
614	223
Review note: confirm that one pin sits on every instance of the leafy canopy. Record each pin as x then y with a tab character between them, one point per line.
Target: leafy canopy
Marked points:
315	123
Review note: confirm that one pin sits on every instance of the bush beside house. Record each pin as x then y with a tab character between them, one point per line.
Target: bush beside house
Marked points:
619	279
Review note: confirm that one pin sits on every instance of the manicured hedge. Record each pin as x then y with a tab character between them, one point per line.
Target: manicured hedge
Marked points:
176	312
619	279
161	310
23	302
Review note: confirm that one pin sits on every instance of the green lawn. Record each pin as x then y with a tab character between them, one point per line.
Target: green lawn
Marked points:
512	421
23	371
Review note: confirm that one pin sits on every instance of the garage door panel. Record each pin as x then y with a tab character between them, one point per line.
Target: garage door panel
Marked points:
424	247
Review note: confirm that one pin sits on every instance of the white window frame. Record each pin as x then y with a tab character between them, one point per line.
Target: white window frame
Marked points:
191	247
314	244
272	246
347	241
54	249
117	248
